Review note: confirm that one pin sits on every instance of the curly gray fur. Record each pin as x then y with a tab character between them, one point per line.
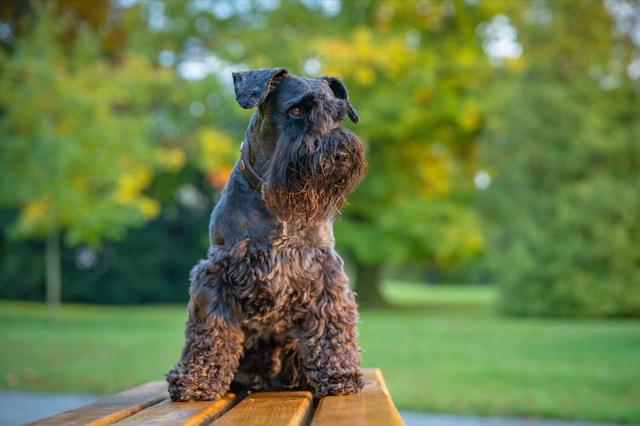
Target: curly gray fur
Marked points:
270	307
281	317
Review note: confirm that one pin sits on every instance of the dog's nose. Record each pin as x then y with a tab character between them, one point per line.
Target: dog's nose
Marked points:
340	155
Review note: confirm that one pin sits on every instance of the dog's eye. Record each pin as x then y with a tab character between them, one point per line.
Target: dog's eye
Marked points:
296	111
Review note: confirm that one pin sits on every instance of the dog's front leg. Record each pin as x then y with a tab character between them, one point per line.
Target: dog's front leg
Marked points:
213	345
329	344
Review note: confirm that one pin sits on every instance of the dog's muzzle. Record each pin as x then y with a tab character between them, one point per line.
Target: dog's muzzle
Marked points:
309	179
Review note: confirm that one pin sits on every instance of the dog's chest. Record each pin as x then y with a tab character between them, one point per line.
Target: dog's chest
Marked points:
274	283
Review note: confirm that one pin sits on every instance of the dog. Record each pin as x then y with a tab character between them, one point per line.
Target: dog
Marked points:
270	307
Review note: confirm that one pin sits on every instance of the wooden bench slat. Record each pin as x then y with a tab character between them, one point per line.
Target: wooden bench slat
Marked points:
270	409
111	409
149	405
371	407
190	413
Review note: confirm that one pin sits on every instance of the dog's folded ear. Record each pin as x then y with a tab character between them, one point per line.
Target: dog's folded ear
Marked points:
253	87
340	91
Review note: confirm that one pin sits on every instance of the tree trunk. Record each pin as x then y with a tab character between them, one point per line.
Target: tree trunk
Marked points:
54	289
368	283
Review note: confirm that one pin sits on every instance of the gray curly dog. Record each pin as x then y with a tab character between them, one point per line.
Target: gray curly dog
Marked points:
270	306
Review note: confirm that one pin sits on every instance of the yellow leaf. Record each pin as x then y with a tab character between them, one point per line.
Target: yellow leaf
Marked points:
36	210
131	185
216	150
172	158
148	207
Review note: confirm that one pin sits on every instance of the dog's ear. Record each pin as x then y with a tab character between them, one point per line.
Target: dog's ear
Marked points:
340	91
252	87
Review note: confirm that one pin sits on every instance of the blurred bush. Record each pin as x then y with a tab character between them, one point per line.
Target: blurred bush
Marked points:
564	145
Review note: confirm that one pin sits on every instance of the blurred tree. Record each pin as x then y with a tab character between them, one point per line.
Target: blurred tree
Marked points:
77	152
413	69
416	71
79	15
563	147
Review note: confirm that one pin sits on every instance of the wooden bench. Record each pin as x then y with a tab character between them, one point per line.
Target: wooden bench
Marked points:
149	404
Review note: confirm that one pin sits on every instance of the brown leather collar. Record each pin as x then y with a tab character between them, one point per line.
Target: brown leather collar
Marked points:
251	174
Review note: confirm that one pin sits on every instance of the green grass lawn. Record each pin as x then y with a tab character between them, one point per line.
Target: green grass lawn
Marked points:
453	355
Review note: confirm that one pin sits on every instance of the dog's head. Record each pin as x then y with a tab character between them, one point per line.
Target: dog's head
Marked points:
314	163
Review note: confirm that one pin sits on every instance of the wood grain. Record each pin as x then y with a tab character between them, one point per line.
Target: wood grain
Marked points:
270	409
190	413
111	409
370	407
149	405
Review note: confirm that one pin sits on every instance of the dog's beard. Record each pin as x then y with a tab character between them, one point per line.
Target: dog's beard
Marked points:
307	181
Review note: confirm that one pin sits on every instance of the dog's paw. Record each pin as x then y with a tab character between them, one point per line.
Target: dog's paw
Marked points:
342	384
184	387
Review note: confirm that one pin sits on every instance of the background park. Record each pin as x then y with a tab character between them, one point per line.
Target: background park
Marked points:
494	246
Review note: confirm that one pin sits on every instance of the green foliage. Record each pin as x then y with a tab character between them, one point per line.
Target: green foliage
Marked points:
76	151
97	119
151	265
412	71
421	119
421	142
564	149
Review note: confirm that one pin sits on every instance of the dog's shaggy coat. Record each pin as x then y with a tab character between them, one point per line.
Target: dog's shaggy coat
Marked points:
270	306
